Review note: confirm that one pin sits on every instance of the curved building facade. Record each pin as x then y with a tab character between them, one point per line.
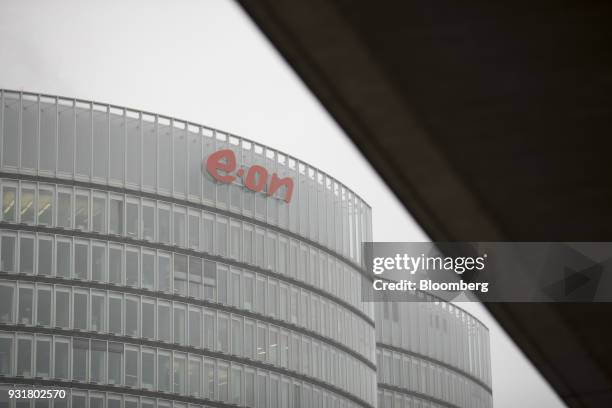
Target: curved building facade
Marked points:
431	353
132	276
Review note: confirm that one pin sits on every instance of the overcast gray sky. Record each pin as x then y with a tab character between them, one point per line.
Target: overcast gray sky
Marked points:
205	61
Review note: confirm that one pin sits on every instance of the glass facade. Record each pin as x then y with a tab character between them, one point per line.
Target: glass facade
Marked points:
131	278
430	353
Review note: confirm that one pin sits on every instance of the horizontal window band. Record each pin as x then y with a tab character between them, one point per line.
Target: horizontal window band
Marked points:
425	397
174	347
185	251
188	301
186	203
437	362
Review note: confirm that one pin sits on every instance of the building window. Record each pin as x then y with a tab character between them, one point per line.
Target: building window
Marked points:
98	361
164	282
179	374
116	216
195	277
98	262
64	209
80	311
210	280
63	258
131	367
131	219
163	372
180	226
98	303
209	330
25	305
163	322
179	324
80	359
43	308
26	254
115	265
62	358
163	223
6	303
148	318
195	327
27	204
9	198
81	260
131	316
115	363
7	260
195	369
43	357
194	231
148	270
81	211
62	308
45	256
148	221
24	357
180	274
131	267
45	206
98	214
148	369
223	333
115	314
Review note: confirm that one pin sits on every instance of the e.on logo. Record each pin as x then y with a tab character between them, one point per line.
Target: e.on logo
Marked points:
256	178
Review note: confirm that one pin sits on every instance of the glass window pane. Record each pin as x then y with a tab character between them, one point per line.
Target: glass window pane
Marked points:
131	220
131	316
163	322
116	216
148	320
26	255
180	274
6	304
81	260
43	308
29	134
45	207
195	159
25	305
66	142
62	309
24	357
133	151
48	128
98	215
195	377
98	361
180	160
131	367
62	355
80	311
179	374
81	212
115	363
179	227
223	333
163	225
98	303
210	280
45	256
6	356
98	263
163	372
148	369
195	277
195	327
9	197
8	254
117	137
179	325
64	209
83	141
80	359
63	259
100	144
114	314
164	157
131	268
148	271
148	223
10	145
115	265
27	205
164	273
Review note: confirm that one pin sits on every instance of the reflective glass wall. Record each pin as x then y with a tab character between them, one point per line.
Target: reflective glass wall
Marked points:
431	353
131	278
